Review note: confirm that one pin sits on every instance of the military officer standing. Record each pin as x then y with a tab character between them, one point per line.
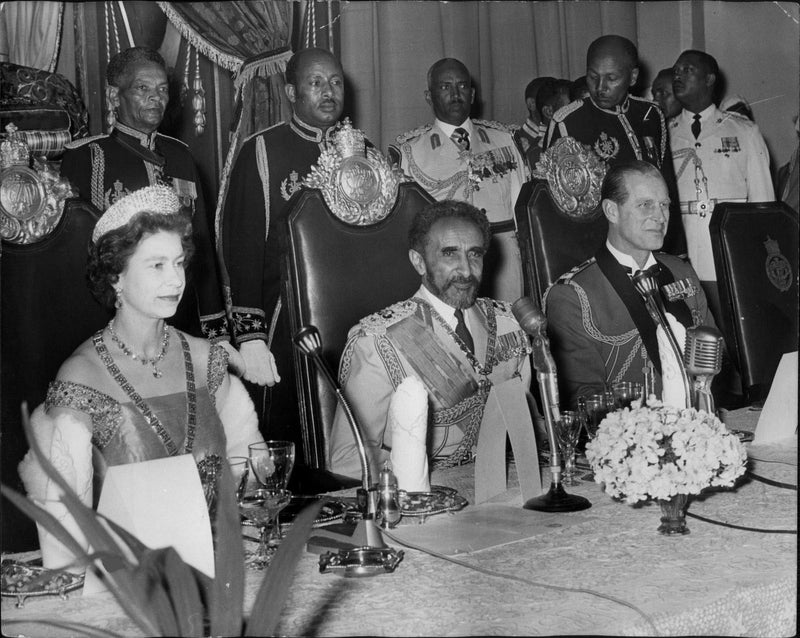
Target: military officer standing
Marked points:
616	125
718	156
268	170
106	167
474	161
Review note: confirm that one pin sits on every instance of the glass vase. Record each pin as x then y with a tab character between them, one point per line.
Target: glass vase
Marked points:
673	515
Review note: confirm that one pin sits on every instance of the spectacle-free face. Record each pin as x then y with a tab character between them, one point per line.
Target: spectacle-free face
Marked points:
608	77
690	79
318	95
663	96
638	225
142	98
154	278
452	263
451	93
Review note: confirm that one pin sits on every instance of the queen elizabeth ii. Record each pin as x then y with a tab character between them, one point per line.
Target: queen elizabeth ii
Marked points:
138	389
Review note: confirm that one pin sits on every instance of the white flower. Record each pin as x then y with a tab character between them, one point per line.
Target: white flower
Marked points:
657	451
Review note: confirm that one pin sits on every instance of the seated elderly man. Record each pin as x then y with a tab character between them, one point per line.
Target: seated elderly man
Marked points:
458	345
599	327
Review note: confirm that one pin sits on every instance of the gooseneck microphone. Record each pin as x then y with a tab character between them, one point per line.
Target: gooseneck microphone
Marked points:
647	286
702	357
307	339
532	320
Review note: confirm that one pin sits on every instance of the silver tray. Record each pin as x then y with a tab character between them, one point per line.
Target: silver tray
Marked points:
439	500
21	580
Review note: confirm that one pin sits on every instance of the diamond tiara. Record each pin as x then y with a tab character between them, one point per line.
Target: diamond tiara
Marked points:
157	199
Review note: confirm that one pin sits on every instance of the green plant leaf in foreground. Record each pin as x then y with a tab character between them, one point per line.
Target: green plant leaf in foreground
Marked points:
275	588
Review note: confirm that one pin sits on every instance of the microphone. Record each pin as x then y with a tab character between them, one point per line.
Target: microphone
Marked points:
646	284
532	320
702	357
308	341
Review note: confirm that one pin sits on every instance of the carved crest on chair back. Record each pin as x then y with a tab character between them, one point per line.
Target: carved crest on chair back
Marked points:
574	174
31	201
357	182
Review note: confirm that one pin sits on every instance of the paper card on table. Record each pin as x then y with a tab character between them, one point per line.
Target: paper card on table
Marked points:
506	411
489	525
161	502
778	419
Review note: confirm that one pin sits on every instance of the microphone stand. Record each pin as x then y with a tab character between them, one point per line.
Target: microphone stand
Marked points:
362	552
533	322
703	360
647	286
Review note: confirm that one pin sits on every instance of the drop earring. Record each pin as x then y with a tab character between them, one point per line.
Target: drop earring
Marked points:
118	300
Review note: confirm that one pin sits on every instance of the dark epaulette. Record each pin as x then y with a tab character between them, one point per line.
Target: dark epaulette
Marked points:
568	276
561	113
172	139
262	131
84	141
495	125
410	135
378	322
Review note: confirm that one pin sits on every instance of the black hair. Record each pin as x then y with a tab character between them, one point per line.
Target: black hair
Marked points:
707	61
535	85
446	209
605	42
109	256
296	61
119	66
549	92
614	188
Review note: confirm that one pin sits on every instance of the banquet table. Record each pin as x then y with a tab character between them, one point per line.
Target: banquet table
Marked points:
604	570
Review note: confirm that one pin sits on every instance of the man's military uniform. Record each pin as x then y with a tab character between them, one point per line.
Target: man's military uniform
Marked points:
599	327
529	139
106	167
633	130
411	338
727	162
269	169
489	175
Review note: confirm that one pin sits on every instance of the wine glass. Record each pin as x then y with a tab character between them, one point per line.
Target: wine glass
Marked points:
240	471
272	463
568	428
594	408
625	392
261	507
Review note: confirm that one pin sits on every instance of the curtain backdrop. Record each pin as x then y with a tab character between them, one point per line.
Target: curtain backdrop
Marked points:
30	33
387	48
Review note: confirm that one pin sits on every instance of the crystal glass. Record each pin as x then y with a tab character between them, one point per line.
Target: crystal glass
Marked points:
594	408
261	507
272	463
625	392
568	429
240	470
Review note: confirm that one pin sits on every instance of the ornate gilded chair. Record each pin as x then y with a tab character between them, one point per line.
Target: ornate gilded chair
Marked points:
47	307
755	250
559	220
347	257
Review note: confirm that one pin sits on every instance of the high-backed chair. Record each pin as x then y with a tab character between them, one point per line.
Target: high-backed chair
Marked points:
47	312
755	249
337	273
551	242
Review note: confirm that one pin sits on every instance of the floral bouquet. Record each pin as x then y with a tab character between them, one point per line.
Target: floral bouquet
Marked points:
658	452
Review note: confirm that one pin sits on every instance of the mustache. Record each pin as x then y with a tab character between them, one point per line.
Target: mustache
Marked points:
464	280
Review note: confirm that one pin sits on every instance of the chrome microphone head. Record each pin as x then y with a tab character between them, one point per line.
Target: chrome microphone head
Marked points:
308	341
703	352
529	316
645	283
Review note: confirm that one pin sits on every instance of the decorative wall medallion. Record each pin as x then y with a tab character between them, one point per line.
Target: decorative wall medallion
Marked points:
574	174
779	270
358	183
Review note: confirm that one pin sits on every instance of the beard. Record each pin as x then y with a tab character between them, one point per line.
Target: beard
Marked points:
453	294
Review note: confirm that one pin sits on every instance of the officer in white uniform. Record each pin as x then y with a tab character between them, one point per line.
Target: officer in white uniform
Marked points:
469	160
718	156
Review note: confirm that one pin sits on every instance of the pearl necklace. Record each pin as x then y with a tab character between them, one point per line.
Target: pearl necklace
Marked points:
144	361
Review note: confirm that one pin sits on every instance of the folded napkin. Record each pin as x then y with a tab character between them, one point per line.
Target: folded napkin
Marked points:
672	391
408	424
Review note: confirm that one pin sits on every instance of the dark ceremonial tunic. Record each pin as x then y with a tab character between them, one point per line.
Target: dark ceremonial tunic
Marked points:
268	170
634	130
599	327
106	167
529	139
411	338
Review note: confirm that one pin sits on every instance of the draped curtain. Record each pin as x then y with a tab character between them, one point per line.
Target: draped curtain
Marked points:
387	48
30	33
